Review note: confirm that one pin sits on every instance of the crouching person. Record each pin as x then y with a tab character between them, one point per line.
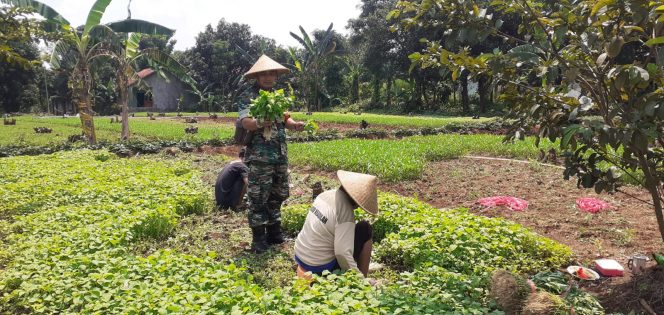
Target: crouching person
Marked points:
330	239
231	184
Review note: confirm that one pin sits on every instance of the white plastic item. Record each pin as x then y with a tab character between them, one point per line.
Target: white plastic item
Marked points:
609	268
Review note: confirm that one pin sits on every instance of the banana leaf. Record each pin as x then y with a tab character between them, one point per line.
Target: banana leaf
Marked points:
40	8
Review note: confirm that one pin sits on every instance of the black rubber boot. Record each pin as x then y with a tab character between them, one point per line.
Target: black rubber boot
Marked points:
274	234
259	244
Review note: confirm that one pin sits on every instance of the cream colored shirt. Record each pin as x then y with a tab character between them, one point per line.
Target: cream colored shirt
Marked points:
328	231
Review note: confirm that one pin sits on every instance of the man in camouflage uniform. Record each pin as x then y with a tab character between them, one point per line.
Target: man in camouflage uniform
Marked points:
267	160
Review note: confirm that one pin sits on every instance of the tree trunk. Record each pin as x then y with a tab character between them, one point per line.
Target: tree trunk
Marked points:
375	96
416	100
465	100
355	89
389	92
124	102
316	95
652	184
82	83
483	89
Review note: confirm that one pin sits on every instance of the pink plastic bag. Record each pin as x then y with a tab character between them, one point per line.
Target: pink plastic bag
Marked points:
592	205
513	203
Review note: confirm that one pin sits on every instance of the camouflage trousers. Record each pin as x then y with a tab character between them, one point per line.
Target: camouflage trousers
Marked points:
268	189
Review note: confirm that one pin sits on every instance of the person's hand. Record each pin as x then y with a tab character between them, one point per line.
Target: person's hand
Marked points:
299	126
264	124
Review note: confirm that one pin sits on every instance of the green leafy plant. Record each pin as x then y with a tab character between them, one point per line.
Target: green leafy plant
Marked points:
556	283
270	106
311	127
292	218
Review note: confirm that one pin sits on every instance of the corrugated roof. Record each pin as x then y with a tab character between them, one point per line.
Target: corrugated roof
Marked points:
142	74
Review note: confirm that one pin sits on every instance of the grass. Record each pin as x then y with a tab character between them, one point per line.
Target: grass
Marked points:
393	160
140	128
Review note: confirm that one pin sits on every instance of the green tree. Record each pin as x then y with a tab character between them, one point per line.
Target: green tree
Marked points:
381	55
20	64
333	70
309	62
386	49
89	42
222	55
18	82
574	59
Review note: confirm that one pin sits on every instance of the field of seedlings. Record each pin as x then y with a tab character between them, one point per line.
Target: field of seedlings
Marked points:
70	246
111	229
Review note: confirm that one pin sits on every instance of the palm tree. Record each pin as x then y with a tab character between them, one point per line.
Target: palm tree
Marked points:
89	43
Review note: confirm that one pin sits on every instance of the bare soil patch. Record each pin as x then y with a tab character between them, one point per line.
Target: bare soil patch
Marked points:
630	228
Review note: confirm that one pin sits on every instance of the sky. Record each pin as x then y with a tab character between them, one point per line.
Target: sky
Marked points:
272	19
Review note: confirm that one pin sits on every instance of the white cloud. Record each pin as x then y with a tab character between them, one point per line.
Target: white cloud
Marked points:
273	19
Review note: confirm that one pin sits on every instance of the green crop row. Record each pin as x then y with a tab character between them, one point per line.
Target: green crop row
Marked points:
142	129
388	120
396	160
372	119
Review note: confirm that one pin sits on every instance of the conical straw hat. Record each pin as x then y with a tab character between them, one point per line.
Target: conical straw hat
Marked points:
263	64
362	188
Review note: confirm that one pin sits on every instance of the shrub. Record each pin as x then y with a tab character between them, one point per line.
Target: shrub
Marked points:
434	290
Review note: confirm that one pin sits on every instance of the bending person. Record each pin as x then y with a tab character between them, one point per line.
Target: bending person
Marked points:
231	184
330	239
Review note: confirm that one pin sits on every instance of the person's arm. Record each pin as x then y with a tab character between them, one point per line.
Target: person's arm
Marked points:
252	124
344	239
294	125
244	190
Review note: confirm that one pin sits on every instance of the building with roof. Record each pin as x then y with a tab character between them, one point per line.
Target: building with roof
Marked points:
157	93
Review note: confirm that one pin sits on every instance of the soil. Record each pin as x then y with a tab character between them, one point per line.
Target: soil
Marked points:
618	234
630	228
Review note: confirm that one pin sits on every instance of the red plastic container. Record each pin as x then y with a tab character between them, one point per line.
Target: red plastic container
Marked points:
609	268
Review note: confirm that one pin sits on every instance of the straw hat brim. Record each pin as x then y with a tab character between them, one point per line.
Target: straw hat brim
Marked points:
362	188
265	64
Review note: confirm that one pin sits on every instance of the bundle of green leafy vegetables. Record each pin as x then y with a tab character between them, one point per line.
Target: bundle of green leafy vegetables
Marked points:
270	106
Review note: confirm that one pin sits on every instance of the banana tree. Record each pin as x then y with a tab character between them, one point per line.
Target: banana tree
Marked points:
309	63
128	61
89	43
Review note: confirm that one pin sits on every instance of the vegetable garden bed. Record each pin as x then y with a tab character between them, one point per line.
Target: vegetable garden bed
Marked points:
69	223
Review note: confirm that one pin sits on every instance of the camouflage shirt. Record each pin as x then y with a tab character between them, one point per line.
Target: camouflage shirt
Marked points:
273	151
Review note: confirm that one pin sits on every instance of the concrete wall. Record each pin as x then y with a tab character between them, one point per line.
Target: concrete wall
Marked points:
165	94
